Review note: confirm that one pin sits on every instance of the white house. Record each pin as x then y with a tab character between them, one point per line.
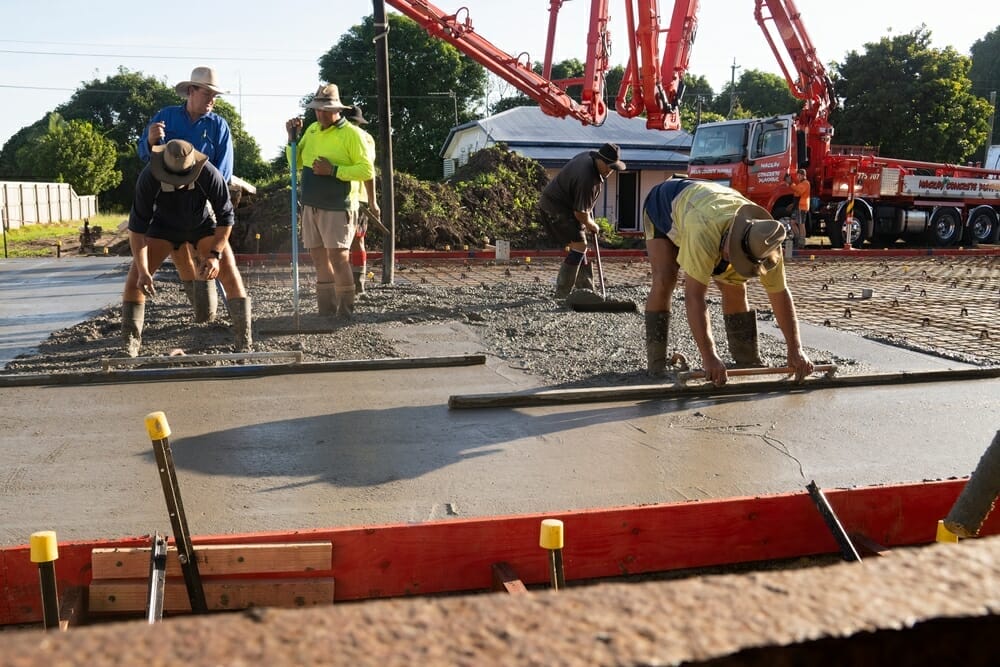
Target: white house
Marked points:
650	155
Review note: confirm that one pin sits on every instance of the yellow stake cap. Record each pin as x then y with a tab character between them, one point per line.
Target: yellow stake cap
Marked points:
944	535
552	534
527	260
44	548
157	426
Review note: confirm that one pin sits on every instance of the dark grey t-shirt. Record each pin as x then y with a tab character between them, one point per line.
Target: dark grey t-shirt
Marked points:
575	188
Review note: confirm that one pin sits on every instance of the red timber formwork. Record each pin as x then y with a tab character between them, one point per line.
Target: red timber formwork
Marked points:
385	561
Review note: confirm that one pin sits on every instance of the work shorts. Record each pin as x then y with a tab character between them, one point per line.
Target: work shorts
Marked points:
562	229
159	230
333	230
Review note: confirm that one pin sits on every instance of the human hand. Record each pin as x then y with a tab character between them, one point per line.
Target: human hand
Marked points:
157	131
798	360
209	267
144	281
592	226
293	126
322	167
715	370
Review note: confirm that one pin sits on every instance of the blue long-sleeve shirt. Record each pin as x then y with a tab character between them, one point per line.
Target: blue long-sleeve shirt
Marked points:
209	134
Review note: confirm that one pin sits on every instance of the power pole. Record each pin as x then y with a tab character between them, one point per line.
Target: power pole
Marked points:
732	88
989	134
385	140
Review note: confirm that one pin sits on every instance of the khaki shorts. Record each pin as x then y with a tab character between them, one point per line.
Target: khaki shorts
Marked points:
328	229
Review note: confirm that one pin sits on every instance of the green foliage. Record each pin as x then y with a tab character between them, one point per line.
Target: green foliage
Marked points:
72	153
418	64
759	95
910	100
985	73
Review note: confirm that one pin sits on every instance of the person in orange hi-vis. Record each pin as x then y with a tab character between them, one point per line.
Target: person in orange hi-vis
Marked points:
800	189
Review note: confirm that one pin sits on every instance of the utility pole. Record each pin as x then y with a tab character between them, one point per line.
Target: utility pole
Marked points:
385	139
989	134
732	88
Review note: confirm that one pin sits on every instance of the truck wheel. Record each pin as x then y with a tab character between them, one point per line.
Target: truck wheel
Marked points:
945	228
983	226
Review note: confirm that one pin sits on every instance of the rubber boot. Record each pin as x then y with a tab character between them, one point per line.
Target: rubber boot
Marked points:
585	277
566	279
239	313
189	290
741	332
133	317
359	280
657	332
326	302
345	301
206	300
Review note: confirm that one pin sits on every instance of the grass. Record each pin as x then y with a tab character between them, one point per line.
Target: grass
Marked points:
43	239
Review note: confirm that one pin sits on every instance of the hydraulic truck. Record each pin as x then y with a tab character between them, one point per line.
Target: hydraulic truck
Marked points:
858	196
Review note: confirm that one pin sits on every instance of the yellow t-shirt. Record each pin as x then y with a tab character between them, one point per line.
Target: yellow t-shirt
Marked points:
703	213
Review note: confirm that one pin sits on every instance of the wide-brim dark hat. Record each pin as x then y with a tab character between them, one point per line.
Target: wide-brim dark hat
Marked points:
754	241
611	154
176	162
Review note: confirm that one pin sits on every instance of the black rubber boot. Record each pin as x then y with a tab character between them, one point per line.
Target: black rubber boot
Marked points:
326	302
206	300
133	317
566	279
657	332
345	301
359	282
189	290
741	332
239	313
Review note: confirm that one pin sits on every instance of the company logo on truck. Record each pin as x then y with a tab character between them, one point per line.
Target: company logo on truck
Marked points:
968	188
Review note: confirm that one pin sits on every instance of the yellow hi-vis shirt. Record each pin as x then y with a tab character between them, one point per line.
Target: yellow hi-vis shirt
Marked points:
342	145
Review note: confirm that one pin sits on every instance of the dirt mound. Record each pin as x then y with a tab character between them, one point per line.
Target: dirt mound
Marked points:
495	195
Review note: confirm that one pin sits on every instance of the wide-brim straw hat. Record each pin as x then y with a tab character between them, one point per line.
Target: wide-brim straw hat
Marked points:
754	241
327	98
203	77
176	162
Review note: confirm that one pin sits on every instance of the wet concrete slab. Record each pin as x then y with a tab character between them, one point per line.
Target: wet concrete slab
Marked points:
305	451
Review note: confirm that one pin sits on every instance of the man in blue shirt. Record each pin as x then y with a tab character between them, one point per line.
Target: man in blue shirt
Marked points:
209	133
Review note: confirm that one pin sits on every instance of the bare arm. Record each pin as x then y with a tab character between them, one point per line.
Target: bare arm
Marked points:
586	221
784	313
697	312
143	280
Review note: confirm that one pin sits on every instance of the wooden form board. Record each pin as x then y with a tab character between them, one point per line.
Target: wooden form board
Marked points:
221	560
120	596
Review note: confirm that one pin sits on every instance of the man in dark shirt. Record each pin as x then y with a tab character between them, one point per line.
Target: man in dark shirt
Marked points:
568	202
168	211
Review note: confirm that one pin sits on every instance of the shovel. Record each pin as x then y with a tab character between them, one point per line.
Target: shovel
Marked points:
584	301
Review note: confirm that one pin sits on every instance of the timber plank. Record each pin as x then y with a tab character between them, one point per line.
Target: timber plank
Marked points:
223	559
505	579
129	595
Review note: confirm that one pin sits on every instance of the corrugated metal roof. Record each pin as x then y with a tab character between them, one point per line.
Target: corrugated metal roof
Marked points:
553	141
528	125
635	158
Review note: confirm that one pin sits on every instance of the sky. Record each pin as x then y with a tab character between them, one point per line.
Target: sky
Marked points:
266	53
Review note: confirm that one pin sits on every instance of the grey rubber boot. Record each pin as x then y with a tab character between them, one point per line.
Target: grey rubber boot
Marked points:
206	300
585	277
133	317
359	280
326	302
345	301
188	290
657	332
239	313
566	279
741	332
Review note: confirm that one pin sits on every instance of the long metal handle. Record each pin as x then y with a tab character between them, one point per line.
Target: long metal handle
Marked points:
600	269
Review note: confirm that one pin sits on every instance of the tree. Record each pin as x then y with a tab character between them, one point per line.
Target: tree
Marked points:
909	100
73	153
118	108
758	94
418	65
985	72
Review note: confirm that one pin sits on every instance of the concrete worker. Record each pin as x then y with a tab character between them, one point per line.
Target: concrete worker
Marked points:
209	133
567	203
367	197
715	235
170	210
332	156
800	190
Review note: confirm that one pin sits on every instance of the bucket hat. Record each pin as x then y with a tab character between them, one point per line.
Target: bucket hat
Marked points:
754	241
176	162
